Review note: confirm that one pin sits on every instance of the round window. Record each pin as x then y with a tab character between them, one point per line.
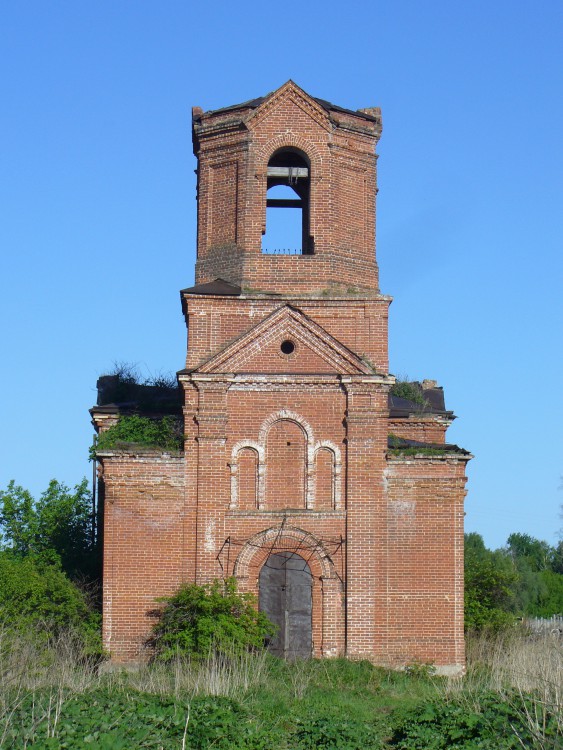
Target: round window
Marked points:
287	347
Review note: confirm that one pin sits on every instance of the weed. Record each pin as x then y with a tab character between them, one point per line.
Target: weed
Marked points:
198	620
420	669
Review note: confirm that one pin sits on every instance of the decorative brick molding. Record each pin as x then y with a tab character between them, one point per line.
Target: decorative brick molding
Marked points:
336	467
259	447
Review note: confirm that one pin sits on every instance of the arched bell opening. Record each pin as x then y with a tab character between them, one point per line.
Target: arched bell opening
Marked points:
288	204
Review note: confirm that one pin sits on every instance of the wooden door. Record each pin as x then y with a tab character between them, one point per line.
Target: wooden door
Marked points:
285	597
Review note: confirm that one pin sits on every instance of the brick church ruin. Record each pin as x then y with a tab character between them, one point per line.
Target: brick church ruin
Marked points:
306	473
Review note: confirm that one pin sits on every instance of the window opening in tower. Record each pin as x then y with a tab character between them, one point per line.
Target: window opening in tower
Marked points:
288	187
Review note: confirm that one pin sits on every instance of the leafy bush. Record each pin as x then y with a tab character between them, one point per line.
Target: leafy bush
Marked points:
154	433
200	619
222	723
110	719
489	722
328	733
36	595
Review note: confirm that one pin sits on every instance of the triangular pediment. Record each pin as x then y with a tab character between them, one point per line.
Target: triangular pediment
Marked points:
288	97
260	349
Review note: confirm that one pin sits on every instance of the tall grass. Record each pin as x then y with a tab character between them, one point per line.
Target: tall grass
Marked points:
525	671
184	677
38	675
47	669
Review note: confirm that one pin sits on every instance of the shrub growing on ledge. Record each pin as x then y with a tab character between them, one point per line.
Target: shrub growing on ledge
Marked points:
199	620
411	391
135	430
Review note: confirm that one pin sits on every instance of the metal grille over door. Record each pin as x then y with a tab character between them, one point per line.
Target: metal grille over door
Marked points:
285	598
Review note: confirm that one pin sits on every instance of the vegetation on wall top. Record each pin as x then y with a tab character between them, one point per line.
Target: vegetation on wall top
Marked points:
125	387
398	446
411	391
134	430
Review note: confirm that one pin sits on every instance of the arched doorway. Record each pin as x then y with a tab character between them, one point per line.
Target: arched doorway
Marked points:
285	598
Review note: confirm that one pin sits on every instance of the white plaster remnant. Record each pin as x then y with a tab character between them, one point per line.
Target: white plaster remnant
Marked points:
403	508
209	541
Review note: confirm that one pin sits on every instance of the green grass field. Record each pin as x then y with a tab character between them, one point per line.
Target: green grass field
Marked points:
510	698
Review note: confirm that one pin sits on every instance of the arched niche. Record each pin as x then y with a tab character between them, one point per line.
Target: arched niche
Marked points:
286	466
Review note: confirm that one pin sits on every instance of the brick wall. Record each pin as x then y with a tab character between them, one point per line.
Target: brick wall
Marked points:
424	548
143	545
424	429
359	324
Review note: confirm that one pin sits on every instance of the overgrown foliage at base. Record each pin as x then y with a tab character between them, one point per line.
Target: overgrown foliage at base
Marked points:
36	596
198	620
53	699
491	722
49	564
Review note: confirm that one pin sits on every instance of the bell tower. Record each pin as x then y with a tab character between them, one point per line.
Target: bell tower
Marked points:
324	158
286	377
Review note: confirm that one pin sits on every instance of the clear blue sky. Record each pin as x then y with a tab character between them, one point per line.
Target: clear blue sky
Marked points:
98	209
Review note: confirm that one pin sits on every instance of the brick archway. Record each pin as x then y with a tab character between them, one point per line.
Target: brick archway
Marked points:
328	621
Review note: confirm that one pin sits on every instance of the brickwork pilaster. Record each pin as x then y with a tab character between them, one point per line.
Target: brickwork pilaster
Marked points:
213	481
366	422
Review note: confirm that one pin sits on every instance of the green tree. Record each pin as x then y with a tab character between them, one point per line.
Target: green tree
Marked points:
58	526
490	581
558	561
475	546
550	599
36	595
521	578
538	554
539	585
